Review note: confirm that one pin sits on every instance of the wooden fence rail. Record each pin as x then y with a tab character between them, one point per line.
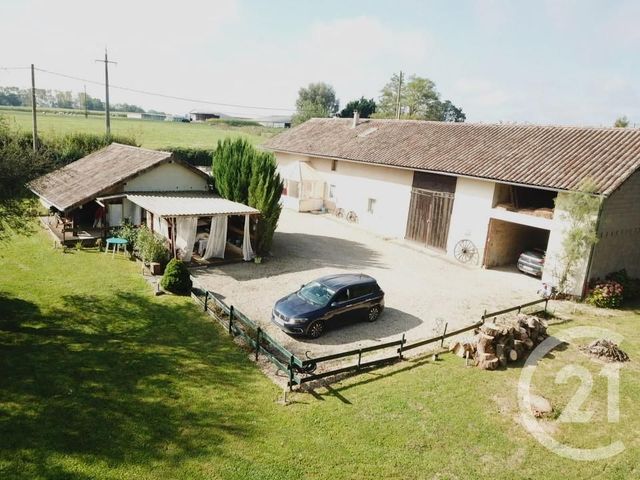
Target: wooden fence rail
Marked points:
302	371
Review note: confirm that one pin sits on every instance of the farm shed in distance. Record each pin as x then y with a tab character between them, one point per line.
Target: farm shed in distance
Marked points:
492	186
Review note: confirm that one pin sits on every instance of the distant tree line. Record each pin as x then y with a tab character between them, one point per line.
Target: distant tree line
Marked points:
21	97
419	100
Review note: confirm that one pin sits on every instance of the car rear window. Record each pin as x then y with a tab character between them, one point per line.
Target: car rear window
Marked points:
362	290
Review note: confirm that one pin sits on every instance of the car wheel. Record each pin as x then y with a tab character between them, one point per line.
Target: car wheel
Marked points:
374	313
316	329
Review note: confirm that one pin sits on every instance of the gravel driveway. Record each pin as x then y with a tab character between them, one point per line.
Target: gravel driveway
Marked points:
423	289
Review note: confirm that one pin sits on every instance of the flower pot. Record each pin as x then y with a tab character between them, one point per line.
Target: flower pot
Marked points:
156	268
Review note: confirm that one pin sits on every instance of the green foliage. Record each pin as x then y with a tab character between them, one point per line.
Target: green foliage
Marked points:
199	157
129	232
151	247
233	122
243	174
176	277
419	100
265	191
630	285
365	107
580	210
621	122
607	294
315	100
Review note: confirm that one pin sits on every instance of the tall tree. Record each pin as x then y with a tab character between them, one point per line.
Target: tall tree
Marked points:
365	107
419	99
315	100
244	174
621	122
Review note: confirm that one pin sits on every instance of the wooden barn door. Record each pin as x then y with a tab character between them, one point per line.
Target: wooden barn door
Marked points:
430	210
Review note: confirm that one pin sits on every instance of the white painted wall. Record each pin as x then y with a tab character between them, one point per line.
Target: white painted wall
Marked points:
470	216
168	177
356	183
619	232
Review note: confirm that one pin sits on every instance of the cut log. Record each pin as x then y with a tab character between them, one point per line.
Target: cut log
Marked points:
487	361
484	343
513	355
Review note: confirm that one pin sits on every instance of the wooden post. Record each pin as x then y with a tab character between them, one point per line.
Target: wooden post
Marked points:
546	303
206	299
291	373
359	358
400	349
259	331
443	334
230	320
33	109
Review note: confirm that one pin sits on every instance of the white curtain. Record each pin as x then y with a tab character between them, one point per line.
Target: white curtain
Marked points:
217	241
186	236
247	251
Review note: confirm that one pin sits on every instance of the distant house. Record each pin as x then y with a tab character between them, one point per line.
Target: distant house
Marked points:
91	196
491	188
203	115
146	116
275	121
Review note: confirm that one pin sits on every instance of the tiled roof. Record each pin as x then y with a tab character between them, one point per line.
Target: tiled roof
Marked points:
553	157
84	179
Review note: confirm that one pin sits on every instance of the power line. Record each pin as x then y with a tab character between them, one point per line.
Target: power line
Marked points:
162	95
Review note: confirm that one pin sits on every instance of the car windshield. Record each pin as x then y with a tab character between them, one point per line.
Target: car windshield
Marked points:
316	293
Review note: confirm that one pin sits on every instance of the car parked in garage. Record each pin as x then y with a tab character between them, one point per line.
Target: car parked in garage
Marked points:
329	302
532	261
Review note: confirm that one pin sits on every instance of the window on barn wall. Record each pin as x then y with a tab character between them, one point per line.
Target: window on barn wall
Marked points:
332	192
371	205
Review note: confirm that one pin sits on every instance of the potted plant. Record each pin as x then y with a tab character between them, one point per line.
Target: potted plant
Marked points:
152	250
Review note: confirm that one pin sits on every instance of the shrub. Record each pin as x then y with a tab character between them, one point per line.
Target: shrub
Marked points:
176	277
630	286
199	157
129	232
151	247
606	294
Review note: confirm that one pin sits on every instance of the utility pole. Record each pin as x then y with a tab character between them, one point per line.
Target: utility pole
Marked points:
399	93
106	96
33	109
86	112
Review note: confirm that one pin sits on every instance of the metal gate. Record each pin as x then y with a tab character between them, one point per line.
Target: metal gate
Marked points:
429	217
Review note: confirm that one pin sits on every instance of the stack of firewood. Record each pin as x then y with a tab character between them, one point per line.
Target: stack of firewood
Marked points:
606	350
503	340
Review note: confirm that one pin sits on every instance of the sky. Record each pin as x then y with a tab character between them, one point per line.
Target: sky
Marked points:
568	62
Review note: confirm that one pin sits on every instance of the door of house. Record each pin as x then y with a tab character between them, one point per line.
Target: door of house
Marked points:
429	217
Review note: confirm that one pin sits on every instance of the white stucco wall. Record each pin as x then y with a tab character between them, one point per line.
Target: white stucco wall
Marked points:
168	177
619	232
356	183
470	216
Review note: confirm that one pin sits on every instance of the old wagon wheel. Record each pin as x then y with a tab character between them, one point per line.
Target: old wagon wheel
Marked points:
352	217
465	251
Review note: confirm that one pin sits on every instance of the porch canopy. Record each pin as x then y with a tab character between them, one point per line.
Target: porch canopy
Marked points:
303	185
181	210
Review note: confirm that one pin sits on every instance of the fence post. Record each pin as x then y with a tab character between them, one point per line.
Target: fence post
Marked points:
546	303
206	299
291	373
230	320
484	315
443	334
258	342
359	358
519	308
401	345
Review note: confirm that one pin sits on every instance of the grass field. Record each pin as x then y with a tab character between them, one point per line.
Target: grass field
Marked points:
100	379
150	134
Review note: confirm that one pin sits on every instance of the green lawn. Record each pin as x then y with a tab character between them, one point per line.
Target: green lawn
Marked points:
150	134
100	379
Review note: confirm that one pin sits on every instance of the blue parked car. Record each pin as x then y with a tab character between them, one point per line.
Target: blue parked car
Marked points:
329	302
